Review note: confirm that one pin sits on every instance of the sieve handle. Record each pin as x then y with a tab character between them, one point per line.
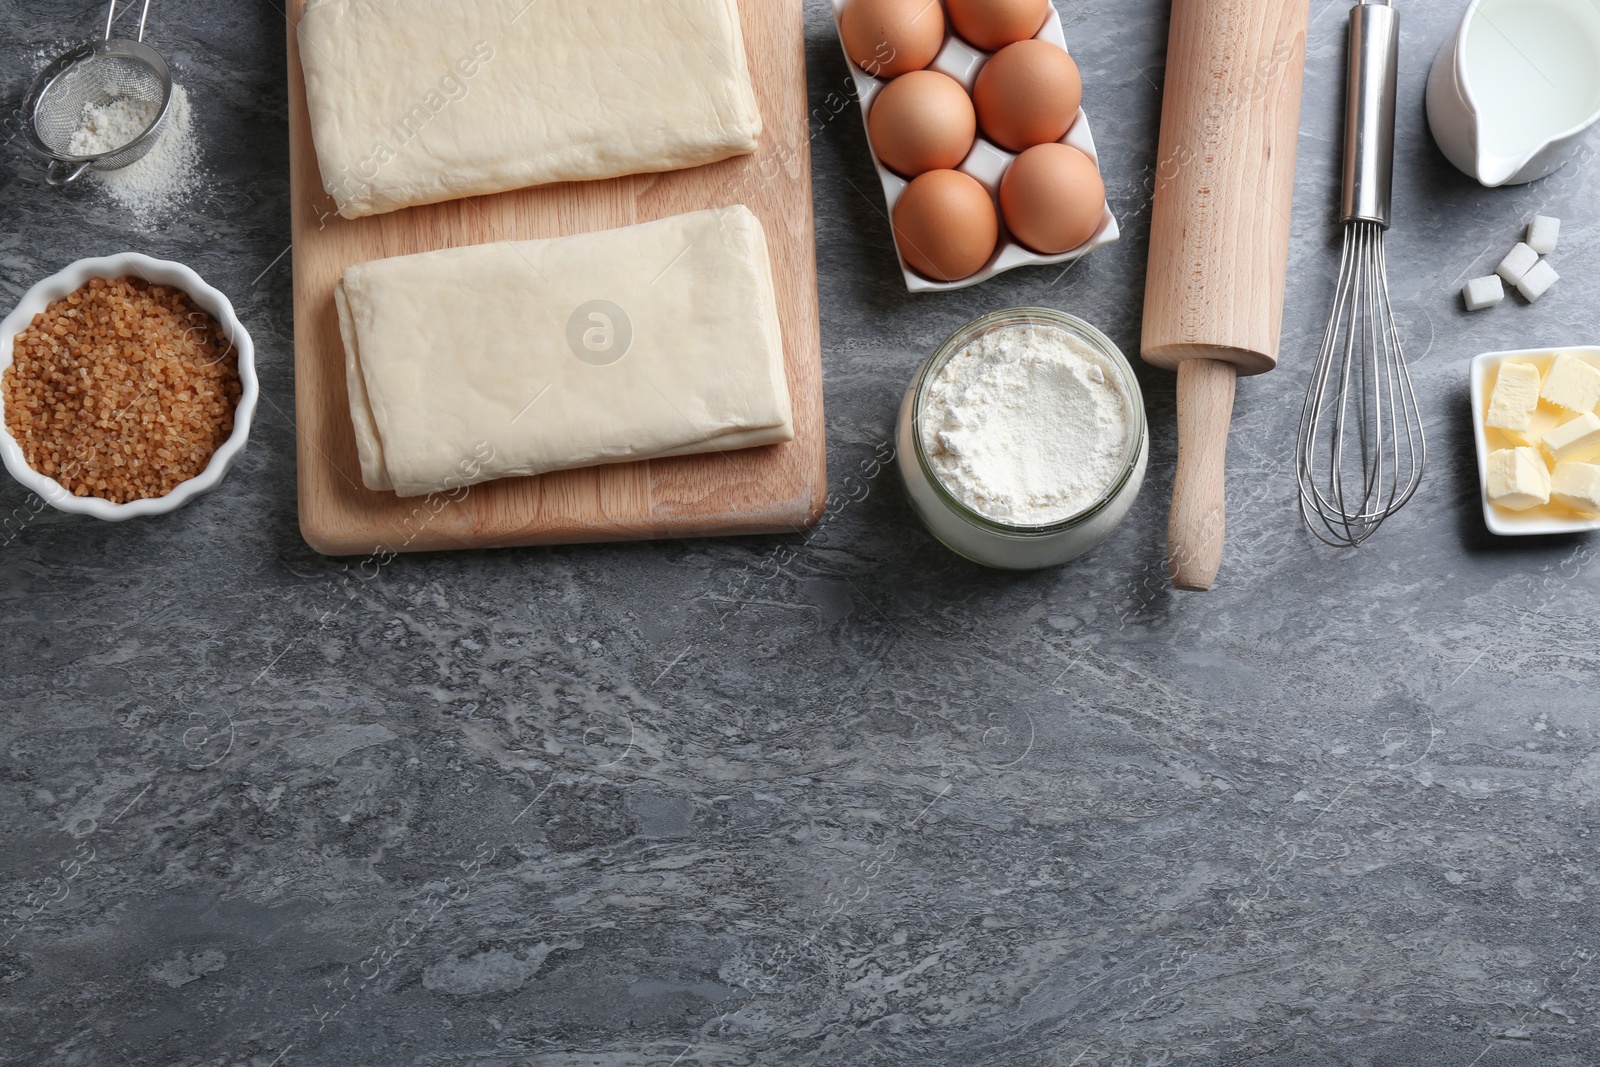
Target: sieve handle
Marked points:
61	173
111	16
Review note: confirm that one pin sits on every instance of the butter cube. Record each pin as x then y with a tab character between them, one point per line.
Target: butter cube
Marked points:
1515	397
1577	485
1576	440
1572	383
1543	233
1545	418
1518	479
1518	262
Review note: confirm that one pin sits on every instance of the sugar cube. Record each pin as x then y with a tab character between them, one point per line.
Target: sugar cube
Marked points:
1540	277
1481	293
1573	383
1576	440
1518	479
1517	263
1543	232
1515	396
1577	485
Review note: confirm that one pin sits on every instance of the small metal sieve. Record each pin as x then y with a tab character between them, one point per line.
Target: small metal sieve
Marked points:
95	75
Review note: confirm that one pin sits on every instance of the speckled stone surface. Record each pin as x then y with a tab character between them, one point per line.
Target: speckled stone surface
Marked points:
832	799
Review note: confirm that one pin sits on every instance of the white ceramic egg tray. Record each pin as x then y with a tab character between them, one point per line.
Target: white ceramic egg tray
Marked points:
987	161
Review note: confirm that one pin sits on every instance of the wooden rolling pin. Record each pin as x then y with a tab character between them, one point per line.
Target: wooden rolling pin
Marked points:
1219	238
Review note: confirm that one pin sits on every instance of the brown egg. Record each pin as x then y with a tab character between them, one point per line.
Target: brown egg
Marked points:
1028	94
1053	198
922	121
993	24
946	225
888	38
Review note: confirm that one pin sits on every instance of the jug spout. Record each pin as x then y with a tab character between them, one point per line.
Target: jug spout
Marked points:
1495	171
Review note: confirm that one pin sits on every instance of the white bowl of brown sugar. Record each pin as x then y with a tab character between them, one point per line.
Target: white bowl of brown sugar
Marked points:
127	386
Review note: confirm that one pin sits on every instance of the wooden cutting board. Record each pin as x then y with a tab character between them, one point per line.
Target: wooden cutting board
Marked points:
775	489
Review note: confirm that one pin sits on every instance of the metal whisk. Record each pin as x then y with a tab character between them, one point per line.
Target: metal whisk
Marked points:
94	75
1361	447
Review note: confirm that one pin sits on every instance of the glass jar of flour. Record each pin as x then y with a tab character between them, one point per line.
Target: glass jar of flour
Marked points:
1022	441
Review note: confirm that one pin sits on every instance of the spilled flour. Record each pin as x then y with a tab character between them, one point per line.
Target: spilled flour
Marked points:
159	184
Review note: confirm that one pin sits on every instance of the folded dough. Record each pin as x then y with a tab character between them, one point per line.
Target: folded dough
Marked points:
484	362
418	101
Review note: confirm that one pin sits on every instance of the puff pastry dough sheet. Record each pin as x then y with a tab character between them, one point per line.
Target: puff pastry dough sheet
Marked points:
469	364
418	101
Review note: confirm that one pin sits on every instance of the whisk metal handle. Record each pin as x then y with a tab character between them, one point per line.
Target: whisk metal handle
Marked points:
1371	92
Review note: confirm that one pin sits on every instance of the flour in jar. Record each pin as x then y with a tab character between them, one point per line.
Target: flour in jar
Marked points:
1028	425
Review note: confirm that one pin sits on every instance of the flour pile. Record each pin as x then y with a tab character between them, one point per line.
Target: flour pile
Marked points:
167	175
107	127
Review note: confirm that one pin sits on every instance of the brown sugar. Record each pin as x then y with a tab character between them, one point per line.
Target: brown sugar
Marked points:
121	390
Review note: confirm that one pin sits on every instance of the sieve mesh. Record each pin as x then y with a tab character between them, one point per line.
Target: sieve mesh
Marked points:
95	81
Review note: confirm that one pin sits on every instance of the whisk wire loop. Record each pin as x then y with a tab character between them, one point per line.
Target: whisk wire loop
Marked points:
1361	444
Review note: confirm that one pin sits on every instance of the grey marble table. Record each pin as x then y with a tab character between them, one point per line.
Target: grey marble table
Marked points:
840	798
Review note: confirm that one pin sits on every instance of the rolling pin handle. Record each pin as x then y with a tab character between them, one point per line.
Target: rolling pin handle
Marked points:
1199	505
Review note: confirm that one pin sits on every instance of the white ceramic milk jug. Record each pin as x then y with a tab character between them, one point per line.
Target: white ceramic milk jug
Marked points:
1516	86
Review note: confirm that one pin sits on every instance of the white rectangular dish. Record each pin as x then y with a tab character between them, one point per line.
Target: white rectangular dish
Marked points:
987	162
1540	521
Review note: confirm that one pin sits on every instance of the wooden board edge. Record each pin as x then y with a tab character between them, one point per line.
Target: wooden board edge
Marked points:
313	536
793	516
